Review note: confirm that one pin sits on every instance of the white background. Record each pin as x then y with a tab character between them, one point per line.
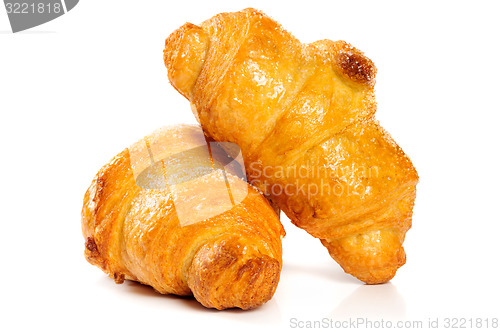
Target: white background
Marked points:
78	90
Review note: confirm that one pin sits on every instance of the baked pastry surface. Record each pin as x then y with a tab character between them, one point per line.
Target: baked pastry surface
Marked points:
303	115
170	213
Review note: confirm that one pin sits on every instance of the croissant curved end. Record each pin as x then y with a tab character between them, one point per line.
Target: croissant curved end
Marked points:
357	67
350	62
184	55
225	275
373	257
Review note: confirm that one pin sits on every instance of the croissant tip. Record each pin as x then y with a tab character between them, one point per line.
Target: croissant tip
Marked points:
377	277
357	67
221	277
263	275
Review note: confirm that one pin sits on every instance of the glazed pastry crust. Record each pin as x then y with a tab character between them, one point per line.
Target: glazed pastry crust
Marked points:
232	259
295	107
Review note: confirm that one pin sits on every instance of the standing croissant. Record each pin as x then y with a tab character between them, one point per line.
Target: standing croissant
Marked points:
303	115
160	213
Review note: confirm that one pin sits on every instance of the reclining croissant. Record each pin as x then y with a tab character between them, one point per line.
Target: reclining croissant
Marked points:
160	213
303	115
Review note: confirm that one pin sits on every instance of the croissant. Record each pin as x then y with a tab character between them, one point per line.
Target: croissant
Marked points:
303	115
170	213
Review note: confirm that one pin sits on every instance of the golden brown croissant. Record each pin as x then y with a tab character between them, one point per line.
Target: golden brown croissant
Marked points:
303	115
165	214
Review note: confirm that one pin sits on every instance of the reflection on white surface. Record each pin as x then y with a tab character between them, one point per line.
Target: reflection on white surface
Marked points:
372	301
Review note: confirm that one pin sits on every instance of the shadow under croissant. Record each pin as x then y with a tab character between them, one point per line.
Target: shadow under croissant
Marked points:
329	272
139	289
